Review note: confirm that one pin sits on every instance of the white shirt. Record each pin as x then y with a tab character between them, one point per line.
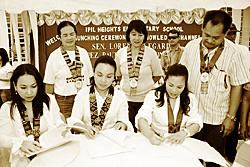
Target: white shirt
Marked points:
231	69
57	72
157	117
150	67
244	52
12	130
3	73
118	110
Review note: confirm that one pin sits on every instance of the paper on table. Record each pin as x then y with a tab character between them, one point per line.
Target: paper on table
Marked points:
51	139
117	136
204	151
58	157
107	143
243	155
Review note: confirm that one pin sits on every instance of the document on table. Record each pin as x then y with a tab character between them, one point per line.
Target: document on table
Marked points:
51	139
204	151
108	142
242	158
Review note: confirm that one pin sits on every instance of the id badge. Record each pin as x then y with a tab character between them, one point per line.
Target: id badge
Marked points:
204	88
78	84
204	77
133	83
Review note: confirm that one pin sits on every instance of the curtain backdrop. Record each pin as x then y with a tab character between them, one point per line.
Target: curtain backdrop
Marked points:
104	33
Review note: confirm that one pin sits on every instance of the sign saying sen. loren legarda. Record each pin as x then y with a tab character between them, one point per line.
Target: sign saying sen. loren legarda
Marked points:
104	33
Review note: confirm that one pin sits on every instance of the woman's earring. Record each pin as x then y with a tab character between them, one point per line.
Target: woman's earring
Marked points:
16	93
114	83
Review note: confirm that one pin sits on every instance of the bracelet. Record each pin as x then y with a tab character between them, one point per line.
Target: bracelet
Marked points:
231	117
187	131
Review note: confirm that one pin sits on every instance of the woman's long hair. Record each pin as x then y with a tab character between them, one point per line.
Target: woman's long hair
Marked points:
4	55
40	98
175	70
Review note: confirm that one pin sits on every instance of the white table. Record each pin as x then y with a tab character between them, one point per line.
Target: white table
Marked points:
121	149
242	158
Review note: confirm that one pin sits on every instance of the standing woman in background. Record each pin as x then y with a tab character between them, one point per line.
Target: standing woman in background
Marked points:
138	67
5	74
68	68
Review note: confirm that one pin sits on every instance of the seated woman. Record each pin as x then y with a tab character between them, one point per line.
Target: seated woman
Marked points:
170	109
30	113
100	106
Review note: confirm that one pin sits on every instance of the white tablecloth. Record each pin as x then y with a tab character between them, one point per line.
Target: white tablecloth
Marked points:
125	149
242	158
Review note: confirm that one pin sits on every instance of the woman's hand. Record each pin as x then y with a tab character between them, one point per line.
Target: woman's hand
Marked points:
63	129
155	139
158	131
87	130
120	126
29	147
154	135
177	138
90	132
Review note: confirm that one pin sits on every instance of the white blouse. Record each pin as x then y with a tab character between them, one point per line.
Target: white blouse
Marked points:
12	131
157	117
118	110
4	72
150	67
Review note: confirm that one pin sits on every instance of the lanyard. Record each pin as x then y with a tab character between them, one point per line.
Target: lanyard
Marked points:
173	126
27	126
98	120
208	67
74	66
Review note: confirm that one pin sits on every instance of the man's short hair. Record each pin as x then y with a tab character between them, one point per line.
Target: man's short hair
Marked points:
218	17
174	31
233	28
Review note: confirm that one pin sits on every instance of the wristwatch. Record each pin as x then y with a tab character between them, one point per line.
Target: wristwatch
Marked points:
233	118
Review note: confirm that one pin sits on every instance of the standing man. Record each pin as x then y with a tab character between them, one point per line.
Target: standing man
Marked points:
232	33
68	68
174	50
216	72
232	139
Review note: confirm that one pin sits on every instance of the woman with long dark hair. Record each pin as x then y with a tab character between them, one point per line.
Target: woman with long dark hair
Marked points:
30	113
5	74
170	112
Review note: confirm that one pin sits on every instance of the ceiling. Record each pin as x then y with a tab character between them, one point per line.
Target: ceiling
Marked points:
44	6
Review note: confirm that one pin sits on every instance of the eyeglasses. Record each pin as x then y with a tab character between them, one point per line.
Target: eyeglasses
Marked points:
172	37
